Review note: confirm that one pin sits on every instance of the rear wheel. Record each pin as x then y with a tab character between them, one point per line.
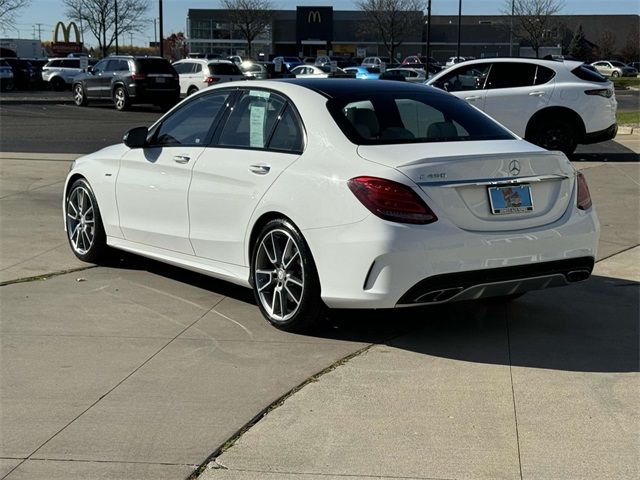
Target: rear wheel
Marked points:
192	90
85	231
57	84
285	280
615	74
121	99
79	97
555	134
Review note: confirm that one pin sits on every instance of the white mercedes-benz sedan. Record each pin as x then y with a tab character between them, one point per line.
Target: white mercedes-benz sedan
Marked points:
337	193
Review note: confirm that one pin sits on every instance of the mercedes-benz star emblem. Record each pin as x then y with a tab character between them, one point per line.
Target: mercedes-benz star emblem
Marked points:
514	167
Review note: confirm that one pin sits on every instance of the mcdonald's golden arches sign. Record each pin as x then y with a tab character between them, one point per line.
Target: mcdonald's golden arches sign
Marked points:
68	43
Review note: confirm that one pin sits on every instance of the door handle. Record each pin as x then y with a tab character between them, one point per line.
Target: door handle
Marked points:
260	169
472	98
181	158
537	93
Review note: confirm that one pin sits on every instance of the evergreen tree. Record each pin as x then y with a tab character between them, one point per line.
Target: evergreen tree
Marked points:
578	48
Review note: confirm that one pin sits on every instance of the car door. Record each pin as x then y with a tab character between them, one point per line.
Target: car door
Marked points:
466	82
153	182
512	97
261	137
93	84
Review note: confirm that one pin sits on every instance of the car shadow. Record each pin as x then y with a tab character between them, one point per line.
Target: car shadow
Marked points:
609	151
592	326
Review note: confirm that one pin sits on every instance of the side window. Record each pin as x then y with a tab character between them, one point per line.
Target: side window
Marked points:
71	63
197	68
55	63
251	123
511	75
288	134
112	66
180	67
190	124
543	75
470	77
100	66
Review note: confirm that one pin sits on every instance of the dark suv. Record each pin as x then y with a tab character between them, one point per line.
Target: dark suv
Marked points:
127	80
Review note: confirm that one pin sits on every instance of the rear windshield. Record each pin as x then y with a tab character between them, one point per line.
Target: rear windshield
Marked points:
372	69
224	69
153	65
408	117
588	73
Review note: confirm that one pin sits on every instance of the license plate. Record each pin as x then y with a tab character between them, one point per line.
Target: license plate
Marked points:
160	80
510	199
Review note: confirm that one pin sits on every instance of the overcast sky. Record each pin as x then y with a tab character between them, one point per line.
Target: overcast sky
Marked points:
48	12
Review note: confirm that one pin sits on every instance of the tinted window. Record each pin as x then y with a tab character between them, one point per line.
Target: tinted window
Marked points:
54	63
71	63
100	66
543	75
405	117
196	67
618	64
182	67
153	65
471	77
288	134
224	69
588	73
511	75
190	124
252	120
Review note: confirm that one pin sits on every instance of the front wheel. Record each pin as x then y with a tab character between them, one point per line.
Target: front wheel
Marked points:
121	99
85	231
285	280
555	135
615	74
79	98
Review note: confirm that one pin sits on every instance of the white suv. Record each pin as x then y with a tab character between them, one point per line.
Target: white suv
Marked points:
196	74
59	72
556	105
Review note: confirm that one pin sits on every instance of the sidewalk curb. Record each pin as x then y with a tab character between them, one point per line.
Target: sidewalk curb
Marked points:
35	101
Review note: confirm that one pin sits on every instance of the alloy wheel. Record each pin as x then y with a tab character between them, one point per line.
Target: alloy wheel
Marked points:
78	95
120	98
279	275
81	220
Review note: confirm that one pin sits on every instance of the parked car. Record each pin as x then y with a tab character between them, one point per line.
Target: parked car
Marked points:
340	194
254	70
196	74
376	62
430	62
272	73
326	60
410	74
290	62
635	65
128	80
613	68
6	76
364	73
59	73
556	105
453	60
24	75
324	71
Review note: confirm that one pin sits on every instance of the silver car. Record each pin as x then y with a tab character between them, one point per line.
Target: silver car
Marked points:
59	72
613	68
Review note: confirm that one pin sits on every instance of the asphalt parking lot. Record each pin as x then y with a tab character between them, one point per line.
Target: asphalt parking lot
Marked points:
139	370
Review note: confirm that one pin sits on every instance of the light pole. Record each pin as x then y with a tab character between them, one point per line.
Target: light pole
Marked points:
459	21
116	25
161	34
428	32
513	7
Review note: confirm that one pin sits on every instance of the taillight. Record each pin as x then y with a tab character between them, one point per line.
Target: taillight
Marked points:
584	197
391	200
602	92
138	76
211	80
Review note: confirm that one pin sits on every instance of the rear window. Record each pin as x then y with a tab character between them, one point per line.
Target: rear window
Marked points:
589	74
224	69
153	65
373	69
407	117
73	63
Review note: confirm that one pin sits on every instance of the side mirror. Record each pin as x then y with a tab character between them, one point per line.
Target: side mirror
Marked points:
136	137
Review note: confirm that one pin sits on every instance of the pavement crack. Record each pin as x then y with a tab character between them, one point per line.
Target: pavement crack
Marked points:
44	276
513	392
269	408
29	457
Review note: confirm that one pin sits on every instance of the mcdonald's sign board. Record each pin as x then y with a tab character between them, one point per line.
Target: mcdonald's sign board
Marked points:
66	46
314	23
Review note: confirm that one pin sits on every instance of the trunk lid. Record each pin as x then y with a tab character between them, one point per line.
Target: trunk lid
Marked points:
480	191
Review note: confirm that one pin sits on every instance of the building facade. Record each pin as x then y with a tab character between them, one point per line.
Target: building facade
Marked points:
310	31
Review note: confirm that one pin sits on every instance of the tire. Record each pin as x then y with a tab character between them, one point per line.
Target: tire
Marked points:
121	99
615	74
58	84
85	231
555	134
79	97
284	278
192	90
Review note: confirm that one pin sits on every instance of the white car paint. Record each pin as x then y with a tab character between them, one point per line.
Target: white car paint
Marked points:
200	214
198	74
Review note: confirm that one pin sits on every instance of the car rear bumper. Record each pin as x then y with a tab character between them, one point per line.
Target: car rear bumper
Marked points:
380	264
601	135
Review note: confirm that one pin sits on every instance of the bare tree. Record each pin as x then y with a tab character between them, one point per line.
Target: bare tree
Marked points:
392	20
251	17
534	18
8	10
606	44
99	16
